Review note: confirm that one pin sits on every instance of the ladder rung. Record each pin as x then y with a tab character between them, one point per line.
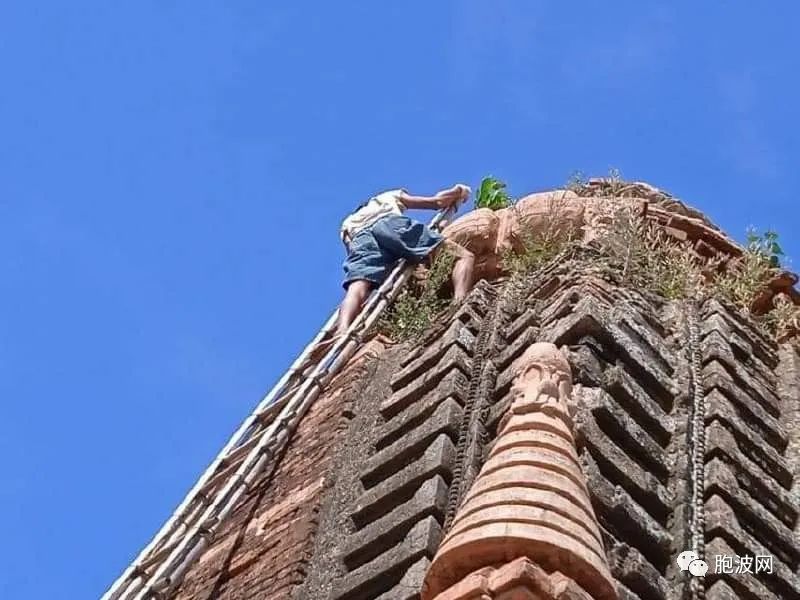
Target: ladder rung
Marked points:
240	451
273	409
156	558
231	463
281	400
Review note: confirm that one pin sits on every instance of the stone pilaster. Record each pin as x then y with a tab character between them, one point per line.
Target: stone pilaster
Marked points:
530	500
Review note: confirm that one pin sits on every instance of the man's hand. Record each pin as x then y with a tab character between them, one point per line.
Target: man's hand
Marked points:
445	199
465	191
452	196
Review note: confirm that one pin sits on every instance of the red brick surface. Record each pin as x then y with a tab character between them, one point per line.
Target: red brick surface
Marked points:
473	586
519	579
264	547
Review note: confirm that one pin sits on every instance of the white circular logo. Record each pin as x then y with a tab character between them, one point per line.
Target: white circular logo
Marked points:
698	568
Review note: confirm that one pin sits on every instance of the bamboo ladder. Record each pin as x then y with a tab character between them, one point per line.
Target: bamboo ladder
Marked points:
160	566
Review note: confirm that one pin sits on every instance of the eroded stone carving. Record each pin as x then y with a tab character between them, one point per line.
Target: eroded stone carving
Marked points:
488	234
530	498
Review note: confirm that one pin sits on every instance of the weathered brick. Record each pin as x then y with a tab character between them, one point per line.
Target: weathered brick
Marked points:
445	420
625	431
639	404
742	584
456	333
721	444
769	530
719	408
450	371
429	499
400	487
380	573
716	376
416	414
722	524
629	566
640	484
409	586
629	521
715	349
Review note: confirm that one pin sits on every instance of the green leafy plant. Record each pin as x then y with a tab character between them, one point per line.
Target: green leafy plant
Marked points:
492	194
766	245
748	277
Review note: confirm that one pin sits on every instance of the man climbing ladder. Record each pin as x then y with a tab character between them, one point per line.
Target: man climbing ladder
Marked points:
377	235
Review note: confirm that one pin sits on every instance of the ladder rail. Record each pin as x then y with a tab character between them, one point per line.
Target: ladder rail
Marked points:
168	528
185	535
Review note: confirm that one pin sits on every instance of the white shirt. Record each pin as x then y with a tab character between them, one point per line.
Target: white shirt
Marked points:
386	203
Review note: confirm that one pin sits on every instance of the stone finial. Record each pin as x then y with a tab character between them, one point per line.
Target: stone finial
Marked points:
542	383
530	499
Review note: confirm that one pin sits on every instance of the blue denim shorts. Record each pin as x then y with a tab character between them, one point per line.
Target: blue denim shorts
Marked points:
374	250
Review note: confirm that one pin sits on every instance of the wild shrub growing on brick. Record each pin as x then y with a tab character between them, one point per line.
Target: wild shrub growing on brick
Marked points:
746	278
416	307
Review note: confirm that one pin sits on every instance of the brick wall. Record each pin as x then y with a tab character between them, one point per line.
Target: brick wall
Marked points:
264	547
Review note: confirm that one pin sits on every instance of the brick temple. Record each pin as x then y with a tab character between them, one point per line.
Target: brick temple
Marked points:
565	435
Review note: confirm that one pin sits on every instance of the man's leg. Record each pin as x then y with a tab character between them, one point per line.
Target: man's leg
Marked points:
462	269
357	292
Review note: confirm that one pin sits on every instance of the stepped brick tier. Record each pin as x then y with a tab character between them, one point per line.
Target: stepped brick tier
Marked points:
565	438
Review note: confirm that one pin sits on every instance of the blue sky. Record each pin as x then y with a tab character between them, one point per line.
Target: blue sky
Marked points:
172	176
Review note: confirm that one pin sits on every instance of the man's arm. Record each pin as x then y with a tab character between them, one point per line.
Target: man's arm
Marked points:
410	201
443	199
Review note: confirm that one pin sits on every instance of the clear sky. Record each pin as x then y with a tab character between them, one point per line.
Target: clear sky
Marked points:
173	174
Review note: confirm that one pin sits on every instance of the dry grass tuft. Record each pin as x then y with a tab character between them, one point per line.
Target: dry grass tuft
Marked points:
646	257
783	320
